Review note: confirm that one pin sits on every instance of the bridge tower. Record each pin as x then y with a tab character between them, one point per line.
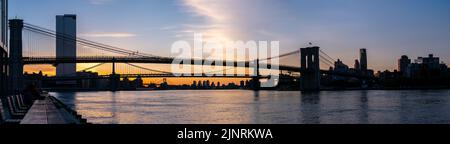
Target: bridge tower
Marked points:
113	71
114	78
310	68
15	55
256	83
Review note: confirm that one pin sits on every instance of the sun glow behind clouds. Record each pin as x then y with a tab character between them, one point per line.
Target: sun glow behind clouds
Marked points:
216	25
106	69
238	19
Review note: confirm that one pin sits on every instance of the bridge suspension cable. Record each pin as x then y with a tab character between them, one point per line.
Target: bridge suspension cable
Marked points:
325	58
80	42
140	67
97	45
92	67
224	69
280	56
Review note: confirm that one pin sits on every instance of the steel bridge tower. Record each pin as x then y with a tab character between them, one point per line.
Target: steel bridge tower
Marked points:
310	68
15	55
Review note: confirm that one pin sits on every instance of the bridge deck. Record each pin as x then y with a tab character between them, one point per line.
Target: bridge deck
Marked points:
142	60
156	60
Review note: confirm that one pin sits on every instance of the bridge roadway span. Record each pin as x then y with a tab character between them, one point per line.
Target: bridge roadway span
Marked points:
149	76
165	60
143	60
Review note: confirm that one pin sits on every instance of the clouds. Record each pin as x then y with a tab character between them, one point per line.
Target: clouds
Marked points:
268	20
216	21
109	35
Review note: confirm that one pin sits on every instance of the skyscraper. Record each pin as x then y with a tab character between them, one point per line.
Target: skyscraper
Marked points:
403	64
66	29
363	59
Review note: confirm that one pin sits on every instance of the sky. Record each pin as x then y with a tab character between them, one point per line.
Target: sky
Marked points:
387	28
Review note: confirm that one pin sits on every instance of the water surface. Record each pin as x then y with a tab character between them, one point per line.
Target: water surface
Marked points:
264	107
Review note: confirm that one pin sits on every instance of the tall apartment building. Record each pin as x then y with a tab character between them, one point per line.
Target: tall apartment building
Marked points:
66	46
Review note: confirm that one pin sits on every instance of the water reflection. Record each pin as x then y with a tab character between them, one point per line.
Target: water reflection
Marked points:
261	107
115	120
256	108
256	96
310	108
69	98
364	108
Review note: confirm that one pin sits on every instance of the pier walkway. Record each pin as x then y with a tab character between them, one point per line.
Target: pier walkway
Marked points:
47	110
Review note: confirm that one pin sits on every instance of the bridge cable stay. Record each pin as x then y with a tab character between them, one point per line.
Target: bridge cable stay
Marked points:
279	57
224	69
326	61
326	55
30	41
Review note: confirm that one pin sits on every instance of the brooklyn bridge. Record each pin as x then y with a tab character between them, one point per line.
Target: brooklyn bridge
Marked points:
35	45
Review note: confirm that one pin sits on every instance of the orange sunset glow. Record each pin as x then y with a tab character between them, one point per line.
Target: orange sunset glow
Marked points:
50	70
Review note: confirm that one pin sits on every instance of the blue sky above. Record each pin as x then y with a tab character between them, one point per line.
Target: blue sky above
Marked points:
387	28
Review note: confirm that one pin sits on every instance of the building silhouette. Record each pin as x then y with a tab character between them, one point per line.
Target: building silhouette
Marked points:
339	66
357	66
66	29
363	59
426	67
194	84
403	64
